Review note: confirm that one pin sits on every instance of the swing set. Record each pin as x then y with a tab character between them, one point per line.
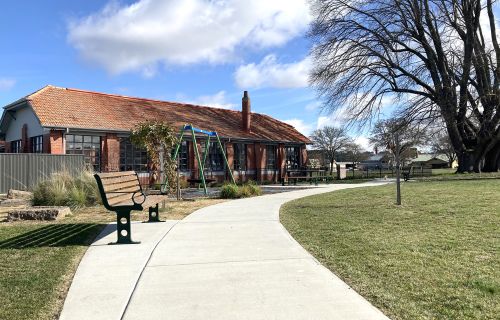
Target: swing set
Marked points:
201	163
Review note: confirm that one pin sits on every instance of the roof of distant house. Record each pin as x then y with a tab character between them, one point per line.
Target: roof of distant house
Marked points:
58	107
376	157
424	157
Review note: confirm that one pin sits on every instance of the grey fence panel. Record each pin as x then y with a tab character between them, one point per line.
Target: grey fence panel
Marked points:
23	171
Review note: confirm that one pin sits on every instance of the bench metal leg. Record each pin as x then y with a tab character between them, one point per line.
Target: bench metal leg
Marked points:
154	214
123	227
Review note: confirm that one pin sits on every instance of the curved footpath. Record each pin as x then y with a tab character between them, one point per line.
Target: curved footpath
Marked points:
233	260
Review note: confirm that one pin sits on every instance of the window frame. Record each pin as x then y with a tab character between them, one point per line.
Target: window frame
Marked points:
240	157
16	146
271	163
79	144
290	153
183	156
132	158
36	144
214	155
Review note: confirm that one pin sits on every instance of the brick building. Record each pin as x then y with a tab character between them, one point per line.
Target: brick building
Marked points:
70	121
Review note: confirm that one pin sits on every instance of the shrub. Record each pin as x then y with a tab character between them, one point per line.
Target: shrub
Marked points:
232	191
63	189
229	191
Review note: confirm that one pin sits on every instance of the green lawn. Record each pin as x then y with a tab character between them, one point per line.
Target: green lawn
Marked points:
38	259
435	257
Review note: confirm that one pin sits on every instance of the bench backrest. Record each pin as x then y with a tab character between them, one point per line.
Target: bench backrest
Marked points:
118	188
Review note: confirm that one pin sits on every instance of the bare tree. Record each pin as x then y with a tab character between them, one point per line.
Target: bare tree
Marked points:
330	140
355	153
432	58
441	144
384	133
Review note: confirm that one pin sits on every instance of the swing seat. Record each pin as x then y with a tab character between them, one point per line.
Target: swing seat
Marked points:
200	181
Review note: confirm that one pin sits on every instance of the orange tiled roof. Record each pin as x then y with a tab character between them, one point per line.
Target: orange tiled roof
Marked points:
72	108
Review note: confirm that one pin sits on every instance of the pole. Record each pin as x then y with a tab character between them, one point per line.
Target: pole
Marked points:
225	158
195	145
178	180
398	171
162	166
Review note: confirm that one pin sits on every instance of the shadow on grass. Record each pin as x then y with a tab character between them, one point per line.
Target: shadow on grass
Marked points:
55	235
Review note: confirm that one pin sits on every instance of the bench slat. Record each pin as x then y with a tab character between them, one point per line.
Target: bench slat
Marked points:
152	200
108	175
121	185
116	180
120	198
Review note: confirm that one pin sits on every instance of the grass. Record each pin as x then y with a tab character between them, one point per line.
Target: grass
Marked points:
435	257
64	189
38	259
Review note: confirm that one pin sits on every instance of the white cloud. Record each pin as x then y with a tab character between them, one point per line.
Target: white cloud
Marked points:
139	36
339	118
7	84
363	142
270	73
300	125
315	105
217	100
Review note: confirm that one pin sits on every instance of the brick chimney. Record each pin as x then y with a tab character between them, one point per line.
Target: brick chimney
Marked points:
246	112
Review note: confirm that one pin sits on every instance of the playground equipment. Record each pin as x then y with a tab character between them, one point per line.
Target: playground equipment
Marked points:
201	164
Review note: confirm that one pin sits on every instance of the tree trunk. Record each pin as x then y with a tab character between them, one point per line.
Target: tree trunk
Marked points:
466	162
492	159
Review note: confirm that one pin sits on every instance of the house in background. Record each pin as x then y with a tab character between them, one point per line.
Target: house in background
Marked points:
433	161
381	160
70	121
2	146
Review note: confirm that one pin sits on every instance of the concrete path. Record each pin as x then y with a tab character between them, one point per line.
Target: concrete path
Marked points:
233	260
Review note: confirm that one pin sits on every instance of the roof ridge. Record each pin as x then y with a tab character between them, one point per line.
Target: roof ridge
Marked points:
141	99
37	92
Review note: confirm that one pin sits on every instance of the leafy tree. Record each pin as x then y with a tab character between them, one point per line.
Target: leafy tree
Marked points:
432	58
158	138
384	136
330	140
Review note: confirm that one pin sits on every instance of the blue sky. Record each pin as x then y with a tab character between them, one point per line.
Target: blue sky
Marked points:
197	51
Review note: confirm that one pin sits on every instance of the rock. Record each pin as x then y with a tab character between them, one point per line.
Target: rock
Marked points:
38	213
19	194
15	203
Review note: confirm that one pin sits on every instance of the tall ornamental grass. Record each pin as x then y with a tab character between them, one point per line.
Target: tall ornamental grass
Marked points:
64	189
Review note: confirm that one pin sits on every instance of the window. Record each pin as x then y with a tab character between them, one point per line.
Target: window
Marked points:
215	159
36	144
184	157
292	157
132	158
240	156
270	157
16	146
89	146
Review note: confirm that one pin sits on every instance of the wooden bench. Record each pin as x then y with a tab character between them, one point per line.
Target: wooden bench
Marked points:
122	193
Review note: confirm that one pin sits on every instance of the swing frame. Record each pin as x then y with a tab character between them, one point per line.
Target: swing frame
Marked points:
201	164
